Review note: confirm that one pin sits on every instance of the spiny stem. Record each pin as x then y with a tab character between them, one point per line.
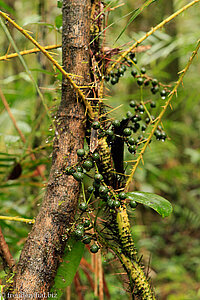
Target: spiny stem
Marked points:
158	120
30	51
160	25
29	221
55	63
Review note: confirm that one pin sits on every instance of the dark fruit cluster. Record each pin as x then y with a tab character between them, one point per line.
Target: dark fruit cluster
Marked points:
81	234
114	76
138	74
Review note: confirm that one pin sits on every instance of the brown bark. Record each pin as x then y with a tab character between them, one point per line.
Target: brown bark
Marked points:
42	251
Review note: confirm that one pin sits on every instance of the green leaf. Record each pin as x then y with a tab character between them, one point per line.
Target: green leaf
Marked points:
59	3
135	13
158	203
67	269
58	21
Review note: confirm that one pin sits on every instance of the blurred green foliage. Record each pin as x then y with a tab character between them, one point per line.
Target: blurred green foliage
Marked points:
170	247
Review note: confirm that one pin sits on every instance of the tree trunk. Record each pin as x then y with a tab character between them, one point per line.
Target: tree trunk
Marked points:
43	249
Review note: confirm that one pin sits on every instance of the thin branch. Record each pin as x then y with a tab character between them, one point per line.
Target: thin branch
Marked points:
160	25
158	120
17	219
5	252
30	51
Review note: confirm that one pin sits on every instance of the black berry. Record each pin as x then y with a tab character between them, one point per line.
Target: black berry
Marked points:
94	248
122	196
127	131
86	239
96	125
83	206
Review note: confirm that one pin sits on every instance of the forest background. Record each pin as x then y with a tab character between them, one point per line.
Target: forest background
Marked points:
169	246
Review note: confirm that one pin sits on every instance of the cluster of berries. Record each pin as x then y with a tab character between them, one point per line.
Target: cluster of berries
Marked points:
97	189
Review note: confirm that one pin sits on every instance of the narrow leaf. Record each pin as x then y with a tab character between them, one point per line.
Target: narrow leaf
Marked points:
156	202
58	21
135	13
67	269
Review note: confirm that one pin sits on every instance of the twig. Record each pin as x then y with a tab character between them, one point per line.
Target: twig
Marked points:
5	252
158	120
25	52
29	221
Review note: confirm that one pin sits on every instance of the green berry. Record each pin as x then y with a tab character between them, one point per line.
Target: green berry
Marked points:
83	206
80	152
132	103
140	81
132	149
127	131
133	73
86	223
103	190
79	233
78	176
79	169
116	203
69	170
88	165
116	123
96	156
143	70
86	239
96	125
122	196
109	132
131	141
133	204
110	203
94	248
98	177
80	226
90	189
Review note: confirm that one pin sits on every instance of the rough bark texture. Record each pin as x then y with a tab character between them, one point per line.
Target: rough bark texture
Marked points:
43	249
